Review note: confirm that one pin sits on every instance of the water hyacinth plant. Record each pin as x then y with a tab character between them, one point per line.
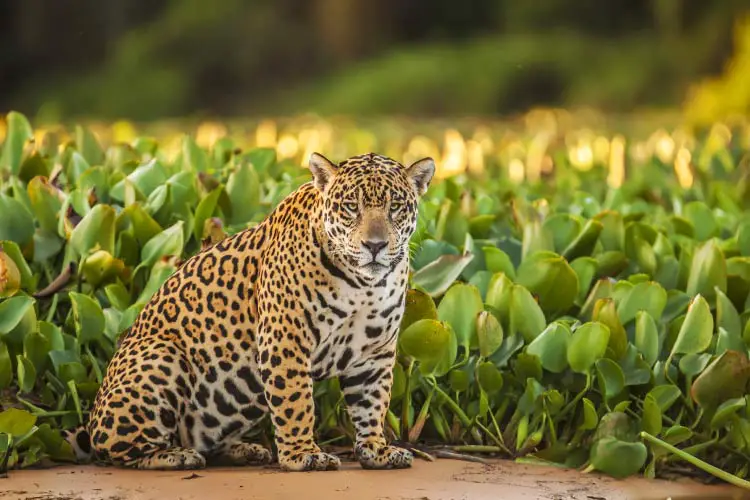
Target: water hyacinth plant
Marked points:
572	306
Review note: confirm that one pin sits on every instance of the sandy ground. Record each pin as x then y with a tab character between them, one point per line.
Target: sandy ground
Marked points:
443	479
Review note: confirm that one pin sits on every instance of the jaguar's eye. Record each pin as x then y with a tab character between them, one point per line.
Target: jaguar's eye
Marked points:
350	206
396	206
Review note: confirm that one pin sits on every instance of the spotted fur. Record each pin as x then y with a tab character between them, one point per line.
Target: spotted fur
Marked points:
244	327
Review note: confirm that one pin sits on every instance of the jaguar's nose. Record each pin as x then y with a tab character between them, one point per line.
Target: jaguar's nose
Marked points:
374	246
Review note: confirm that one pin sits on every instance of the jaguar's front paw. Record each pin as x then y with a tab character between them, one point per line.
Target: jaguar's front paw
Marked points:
382	457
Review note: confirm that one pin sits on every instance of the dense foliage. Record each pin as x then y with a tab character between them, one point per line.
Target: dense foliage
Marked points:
594	315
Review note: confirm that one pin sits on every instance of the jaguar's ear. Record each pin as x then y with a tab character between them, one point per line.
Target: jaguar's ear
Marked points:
323	170
420	173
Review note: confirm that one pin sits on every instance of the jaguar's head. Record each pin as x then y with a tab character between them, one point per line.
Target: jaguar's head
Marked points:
370	207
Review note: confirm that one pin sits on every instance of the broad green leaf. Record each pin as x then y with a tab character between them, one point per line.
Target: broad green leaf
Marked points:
460	307
245	193
585	269
664	396
168	242
648	296
489	377
16	222
729	341
726	411
550	278
19	132
605	313
647	337
88	145
46	202
612	235
15	422
430	342
36	346
584	243
727	316
652	416
26	374
618	458
526	317
725	378
702	219
419	305
95	231
587	345
498	261
489	334
12	311
205	210
551	347
499	293
435	278
590	417
6	367
708	272
610	377
88	317
696	331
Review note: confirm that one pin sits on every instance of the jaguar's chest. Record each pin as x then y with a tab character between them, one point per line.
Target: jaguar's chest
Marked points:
354	325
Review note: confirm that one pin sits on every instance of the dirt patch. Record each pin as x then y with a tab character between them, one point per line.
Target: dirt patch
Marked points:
440	480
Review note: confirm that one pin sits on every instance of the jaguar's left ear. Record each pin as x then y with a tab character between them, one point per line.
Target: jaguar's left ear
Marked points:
323	170
420	173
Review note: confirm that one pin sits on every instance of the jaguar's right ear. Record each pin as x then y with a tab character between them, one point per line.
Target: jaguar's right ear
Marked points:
323	170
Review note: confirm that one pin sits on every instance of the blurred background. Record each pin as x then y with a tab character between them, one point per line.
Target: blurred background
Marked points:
153	59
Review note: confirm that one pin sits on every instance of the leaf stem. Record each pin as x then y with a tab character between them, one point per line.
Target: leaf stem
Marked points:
704	466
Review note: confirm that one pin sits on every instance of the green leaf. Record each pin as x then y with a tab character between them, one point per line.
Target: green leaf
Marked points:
652	416
168	242
585	269
664	396
702	219
725	378
245	193
489	334
16	223
726	411
727	316
618	458
430	342
435	278
587	345
19	132
647	337
696	331
12	311
419	305
46	203
590	417
88	317
6	367
526	317
88	145
551	347
605	313
498	261
35	348
584	243
708	272
692	364
95	231
460	307
205	210
15	422
610	377
26	374
489	377
647	296
549	277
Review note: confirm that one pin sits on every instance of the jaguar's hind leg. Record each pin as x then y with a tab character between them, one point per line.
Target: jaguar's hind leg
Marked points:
243	454
172	459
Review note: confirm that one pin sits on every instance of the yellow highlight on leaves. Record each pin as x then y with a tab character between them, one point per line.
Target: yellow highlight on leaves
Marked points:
682	168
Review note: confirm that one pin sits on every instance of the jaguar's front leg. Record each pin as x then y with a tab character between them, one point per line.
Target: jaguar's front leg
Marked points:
367	392
285	372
